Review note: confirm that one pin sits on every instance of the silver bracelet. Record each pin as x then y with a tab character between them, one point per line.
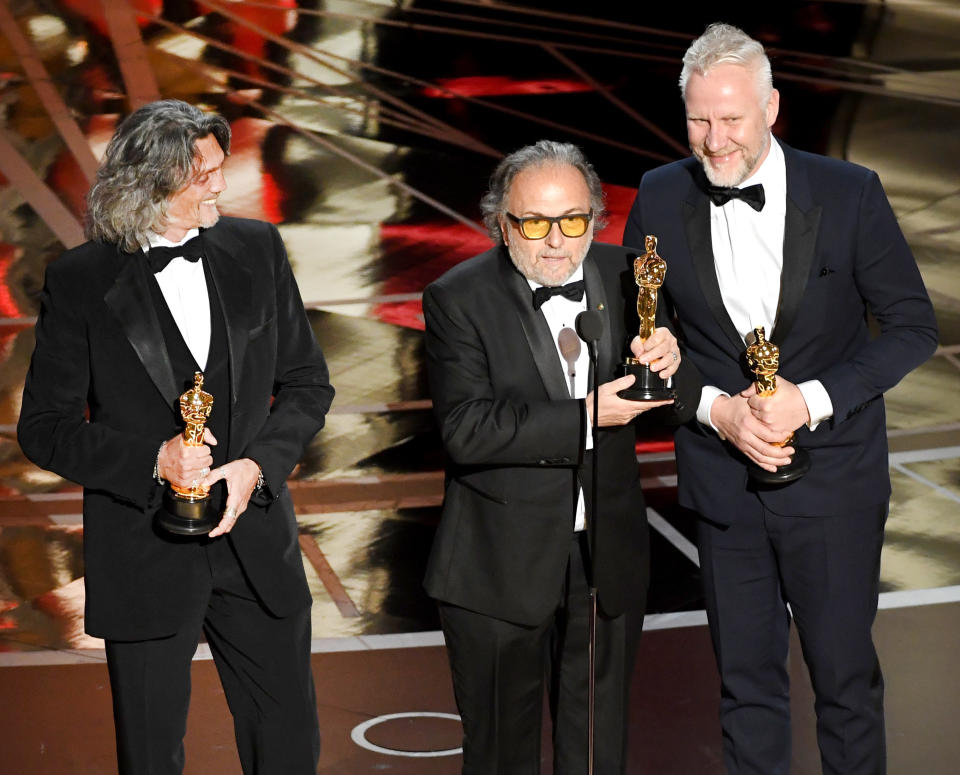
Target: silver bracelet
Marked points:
156	466
259	484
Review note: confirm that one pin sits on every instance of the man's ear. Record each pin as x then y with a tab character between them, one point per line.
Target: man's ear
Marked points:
773	108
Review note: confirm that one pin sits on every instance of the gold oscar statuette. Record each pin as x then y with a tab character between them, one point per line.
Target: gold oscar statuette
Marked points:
649	272
186	509
763	359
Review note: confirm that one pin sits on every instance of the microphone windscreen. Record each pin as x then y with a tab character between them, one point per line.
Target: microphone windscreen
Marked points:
569	344
589	325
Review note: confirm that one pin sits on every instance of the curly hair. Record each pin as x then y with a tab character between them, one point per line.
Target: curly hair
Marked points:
151	156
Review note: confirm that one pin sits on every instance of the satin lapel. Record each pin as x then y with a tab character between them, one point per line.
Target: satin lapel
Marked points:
535	329
607	349
232	285
696	219
129	298
801	225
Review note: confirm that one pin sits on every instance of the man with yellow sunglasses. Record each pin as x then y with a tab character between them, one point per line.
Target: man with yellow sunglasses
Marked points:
511	566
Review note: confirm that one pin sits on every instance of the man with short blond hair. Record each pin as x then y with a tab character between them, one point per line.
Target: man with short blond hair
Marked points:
758	234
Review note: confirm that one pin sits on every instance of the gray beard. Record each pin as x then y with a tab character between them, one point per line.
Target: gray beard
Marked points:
743	172
542	280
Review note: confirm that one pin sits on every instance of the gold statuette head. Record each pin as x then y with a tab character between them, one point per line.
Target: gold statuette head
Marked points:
195	408
763	359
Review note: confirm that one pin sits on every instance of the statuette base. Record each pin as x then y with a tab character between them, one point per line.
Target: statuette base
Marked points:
648	385
185	515
797	467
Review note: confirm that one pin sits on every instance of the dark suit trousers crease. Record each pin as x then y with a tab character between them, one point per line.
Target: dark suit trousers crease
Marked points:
264	666
500	668
827	569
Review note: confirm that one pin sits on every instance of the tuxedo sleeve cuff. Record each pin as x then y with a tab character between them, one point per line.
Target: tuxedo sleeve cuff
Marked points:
818	402
709	394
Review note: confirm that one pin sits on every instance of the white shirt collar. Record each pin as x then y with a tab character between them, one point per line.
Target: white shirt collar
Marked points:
772	174
156	240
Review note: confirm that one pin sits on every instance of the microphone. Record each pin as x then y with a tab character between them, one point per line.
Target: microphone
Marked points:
569	344
589	326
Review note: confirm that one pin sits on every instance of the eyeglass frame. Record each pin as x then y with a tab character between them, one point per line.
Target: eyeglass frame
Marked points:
552	220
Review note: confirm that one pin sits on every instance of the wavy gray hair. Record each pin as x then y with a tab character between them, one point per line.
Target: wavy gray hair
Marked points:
151	156
724	44
494	202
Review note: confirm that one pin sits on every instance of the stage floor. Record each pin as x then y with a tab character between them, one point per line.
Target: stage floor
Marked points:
384	708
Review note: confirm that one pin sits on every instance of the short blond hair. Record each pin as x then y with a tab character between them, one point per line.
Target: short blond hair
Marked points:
724	44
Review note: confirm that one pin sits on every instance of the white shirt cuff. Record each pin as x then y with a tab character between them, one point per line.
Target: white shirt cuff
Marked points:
709	394
818	402
588	432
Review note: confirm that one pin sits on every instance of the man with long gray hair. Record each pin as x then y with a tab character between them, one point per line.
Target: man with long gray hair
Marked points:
163	289
761	236
511	564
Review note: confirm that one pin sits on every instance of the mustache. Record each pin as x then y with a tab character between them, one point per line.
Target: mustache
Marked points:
708	154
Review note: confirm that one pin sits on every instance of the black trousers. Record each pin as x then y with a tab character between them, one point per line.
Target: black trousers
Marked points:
500	668
827	568
264	666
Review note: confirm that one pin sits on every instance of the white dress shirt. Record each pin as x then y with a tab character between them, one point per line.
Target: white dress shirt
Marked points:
748	257
561	312
184	288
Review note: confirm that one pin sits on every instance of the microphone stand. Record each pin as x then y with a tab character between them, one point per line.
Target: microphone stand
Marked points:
589	327
592	683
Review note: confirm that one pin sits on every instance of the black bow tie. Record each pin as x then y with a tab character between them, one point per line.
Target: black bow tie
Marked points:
158	257
573	291
752	195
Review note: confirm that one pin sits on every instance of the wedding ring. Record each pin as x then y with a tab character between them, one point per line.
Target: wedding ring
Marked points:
230	512
206	469
674	356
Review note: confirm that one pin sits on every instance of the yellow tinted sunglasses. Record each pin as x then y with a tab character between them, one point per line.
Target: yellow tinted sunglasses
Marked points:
538	226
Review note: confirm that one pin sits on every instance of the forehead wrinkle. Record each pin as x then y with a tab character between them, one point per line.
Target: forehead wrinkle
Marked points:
548	187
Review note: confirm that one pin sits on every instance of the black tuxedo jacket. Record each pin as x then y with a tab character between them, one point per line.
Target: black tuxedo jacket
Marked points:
515	443
100	398
843	255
